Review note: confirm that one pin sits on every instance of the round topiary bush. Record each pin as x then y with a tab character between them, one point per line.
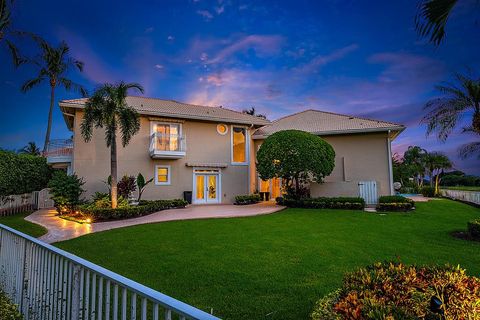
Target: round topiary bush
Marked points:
397	291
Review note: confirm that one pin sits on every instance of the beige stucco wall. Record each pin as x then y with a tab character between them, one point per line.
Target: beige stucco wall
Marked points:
204	145
358	157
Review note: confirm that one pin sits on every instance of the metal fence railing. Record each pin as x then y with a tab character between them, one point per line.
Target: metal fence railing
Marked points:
49	283
468	196
59	148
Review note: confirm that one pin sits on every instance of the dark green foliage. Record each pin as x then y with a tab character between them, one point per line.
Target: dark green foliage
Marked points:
8	310
458	178
141	185
431	19
296	156
353	203
126	186
66	191
427	191
394	204
248	199
473	228
22	173
393	290
144	208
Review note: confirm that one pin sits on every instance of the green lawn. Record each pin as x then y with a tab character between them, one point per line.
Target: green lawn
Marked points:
17	222
463	188
276	266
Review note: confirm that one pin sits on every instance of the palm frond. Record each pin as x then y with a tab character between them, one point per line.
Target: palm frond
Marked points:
431	18
469	149
70	85
29	84
16	57
129	121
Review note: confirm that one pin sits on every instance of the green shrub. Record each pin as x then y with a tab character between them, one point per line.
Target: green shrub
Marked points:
473	228
394	204
8	310
103	200
397	291
394	199
428	191
145	207
353	203
66	191
126	186
248	199
22	173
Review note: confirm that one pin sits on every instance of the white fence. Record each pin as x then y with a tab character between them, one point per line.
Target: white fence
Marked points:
49	283
469	196
21	202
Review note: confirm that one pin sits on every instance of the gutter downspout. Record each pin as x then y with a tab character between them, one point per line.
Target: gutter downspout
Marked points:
390	169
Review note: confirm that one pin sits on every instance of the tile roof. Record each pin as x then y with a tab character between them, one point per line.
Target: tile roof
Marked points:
174	109
326	123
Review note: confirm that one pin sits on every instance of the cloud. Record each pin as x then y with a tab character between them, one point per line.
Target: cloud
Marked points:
321	60
220	9
170	38
159	66
205	14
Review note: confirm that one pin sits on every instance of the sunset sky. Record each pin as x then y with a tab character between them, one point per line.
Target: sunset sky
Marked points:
356	57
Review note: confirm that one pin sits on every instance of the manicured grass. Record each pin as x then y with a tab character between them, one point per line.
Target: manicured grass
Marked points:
19	223
462	188
276	266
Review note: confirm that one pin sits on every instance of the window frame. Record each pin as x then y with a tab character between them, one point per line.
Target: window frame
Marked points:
169	175
247	146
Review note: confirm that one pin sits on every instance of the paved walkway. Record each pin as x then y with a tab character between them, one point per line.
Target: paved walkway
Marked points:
61	229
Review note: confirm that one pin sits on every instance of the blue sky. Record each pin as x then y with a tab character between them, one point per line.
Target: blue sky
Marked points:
356	57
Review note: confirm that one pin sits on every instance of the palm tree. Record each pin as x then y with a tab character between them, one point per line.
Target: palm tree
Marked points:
7	32
31	149
459	101
432	17
253	112
435	164
53	65
107	108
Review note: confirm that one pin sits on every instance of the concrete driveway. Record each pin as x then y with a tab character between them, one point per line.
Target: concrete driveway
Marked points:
61	229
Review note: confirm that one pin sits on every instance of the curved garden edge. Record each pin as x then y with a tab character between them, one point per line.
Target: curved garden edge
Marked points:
60	229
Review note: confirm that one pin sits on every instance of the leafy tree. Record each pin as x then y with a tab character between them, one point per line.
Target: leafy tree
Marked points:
402	172
141	185
66	191
415	158
53	65
432	17
297	157
31	149
436	163
107	108
8	33
459	101
253	112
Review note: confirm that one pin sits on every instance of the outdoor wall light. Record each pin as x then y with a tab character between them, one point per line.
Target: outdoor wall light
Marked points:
436	305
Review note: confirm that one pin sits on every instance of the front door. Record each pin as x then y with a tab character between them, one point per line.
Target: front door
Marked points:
206	188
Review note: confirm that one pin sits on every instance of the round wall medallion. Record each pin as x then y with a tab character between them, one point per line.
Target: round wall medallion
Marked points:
222	129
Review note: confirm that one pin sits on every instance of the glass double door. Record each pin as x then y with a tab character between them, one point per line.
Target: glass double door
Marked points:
206	189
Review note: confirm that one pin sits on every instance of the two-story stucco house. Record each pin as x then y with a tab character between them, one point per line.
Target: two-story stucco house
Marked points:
210	151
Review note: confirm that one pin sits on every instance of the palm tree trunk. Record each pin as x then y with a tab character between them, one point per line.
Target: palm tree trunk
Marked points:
113	171
50	113
437	181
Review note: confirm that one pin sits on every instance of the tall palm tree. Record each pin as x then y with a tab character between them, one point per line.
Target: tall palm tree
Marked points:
107	108
435	164
459	101
432	17
53	65
7	32
31	149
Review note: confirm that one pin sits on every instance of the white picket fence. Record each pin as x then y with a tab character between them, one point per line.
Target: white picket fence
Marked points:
49	283
468	196
21	202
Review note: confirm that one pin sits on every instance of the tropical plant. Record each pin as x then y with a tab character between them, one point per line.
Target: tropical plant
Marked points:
141	185
253	112
66	191
296	156
126	186
8	33
53	64
31	149
460	100
436	163
107	108
414	157
432	17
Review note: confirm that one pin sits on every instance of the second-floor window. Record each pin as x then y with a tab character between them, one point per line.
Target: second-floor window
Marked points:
168	136
239	145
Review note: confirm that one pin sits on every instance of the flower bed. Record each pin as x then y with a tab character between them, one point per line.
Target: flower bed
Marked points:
353	203
397	291
395	204
248	199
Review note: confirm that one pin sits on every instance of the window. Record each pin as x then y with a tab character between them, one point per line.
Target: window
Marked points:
239	145
162	175
222	129
168	136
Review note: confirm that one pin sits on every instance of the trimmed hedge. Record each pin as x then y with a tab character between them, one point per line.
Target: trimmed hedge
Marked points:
8	310
428	191
248	199
473	228
352	203
394	204
22	173
144	208
391	290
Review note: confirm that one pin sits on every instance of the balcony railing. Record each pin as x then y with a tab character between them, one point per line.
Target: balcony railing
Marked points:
59	148
167	146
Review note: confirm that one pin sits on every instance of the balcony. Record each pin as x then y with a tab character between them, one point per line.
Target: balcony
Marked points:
167	146
59	151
